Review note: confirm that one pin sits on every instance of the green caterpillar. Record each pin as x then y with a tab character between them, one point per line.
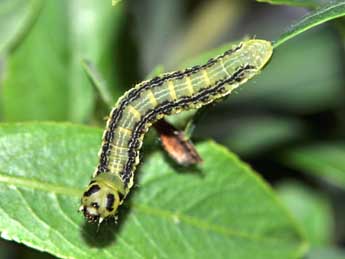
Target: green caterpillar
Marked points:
148	102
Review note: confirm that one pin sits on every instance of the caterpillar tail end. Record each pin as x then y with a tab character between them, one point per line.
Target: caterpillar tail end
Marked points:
100	201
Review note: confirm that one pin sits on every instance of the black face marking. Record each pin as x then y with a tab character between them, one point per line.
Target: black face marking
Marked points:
110	202
93	189
95	205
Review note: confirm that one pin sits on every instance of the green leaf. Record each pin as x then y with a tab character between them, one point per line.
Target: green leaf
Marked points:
94	32
326	253
327	12
44	79
98	82
302	3
16	18
311	209
325	161
35	85
222	210
269	132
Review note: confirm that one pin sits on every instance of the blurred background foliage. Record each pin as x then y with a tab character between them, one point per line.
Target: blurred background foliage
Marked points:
288	123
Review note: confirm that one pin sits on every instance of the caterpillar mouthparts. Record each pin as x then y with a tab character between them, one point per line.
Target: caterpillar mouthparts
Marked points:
101	199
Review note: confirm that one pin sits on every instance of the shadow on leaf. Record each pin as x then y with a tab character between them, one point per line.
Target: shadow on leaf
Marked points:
106	234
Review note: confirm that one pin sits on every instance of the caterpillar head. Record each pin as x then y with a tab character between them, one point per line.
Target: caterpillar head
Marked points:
100	201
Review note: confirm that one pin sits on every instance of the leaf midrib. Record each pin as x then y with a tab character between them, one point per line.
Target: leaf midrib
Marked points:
291	33
174	217
38	185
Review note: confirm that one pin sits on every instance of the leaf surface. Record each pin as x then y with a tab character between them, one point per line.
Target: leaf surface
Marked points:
302	3
44	75
311	209
221	210
16	18
327	12
326	161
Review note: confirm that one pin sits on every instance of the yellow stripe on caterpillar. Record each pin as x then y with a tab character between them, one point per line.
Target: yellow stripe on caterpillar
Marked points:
196	86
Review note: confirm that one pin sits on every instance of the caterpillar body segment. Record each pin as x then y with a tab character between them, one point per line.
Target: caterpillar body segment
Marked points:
151	100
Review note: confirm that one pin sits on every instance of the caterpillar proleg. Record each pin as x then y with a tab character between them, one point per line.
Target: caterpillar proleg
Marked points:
151	100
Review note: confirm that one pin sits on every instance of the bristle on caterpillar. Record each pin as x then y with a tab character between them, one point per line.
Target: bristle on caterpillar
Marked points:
151	100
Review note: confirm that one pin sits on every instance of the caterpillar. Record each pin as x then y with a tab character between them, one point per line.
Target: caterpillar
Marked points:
151	100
